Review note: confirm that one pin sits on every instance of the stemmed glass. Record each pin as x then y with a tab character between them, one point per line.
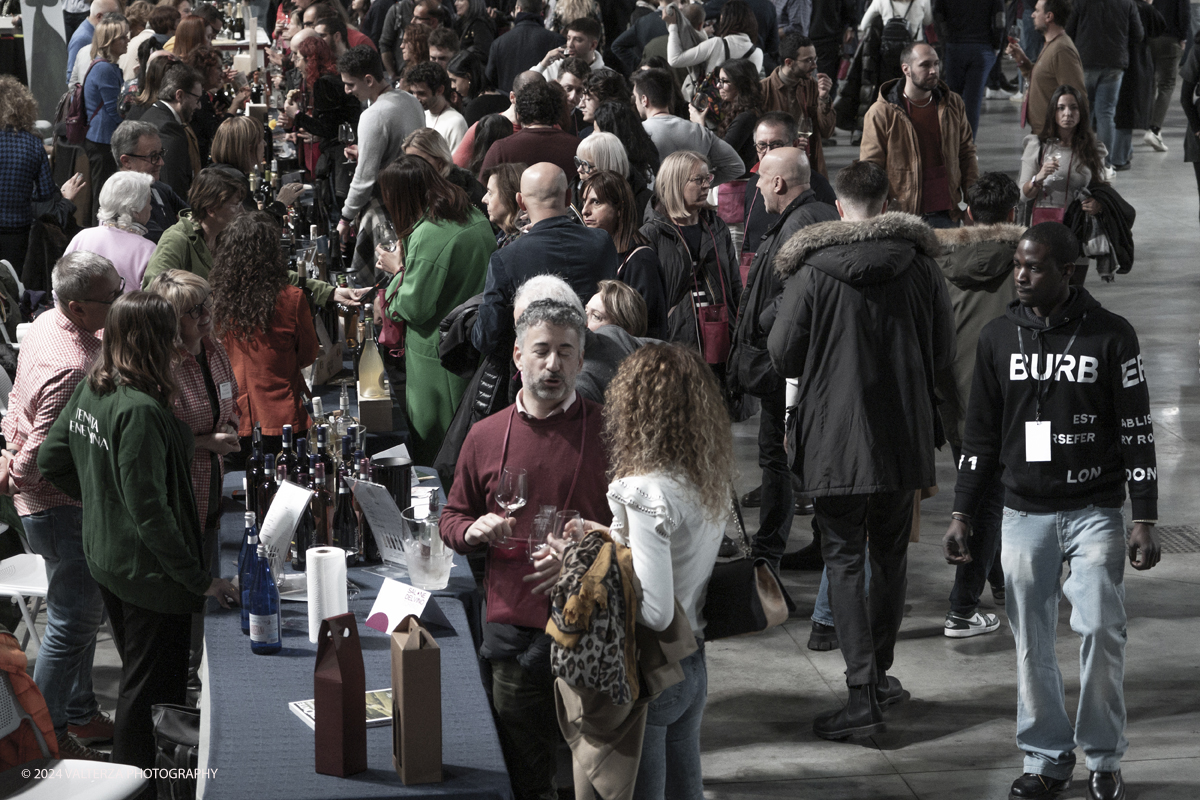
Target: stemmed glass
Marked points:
543	524
568	525
513	491
385	237
804	127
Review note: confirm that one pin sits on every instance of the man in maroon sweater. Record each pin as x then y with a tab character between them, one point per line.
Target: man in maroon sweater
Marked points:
554	435
539	108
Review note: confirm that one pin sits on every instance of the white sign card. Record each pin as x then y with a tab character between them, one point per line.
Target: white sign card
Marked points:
386	524
398	600
281	521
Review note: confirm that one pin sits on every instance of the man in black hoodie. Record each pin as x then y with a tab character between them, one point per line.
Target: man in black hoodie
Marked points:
864	323
1059	400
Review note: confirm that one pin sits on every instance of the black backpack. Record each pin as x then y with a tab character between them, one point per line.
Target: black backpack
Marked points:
895	37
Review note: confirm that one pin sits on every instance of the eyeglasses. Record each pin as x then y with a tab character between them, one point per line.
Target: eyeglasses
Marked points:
197	96
154	158
809	60
120	291
197	311
701	180
723	82
415	18
584	166
765	147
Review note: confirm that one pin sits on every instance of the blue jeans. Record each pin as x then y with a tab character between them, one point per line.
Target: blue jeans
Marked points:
1122	149
966	69
1103	88
822	611
670	765
1092	542
74	611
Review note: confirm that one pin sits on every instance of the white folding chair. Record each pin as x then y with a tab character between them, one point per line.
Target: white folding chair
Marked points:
23	579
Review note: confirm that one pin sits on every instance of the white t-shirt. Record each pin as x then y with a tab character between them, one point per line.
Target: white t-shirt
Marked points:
450	124
917	14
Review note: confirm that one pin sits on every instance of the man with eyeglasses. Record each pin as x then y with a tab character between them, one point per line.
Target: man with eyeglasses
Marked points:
55	356
137	147
795	87
178	98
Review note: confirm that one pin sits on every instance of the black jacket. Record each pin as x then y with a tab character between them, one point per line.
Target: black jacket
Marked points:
864	323
1103	30
1177	17
758	221
629	45
716	272
1135	103
165	206
830	18
970	21
1115	220
519	49
866	75
476	37
556	246
177	162
1098	407
750	366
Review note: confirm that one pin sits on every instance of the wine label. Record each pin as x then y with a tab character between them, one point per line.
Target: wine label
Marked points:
264	628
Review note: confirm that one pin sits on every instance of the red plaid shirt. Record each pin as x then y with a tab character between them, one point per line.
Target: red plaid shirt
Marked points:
54	357
194	409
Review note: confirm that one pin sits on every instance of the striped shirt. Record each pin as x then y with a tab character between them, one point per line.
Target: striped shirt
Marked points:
54	357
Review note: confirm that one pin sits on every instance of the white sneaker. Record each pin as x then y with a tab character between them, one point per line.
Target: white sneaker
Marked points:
1017	98
962	627
1155	141
1110	174
996	94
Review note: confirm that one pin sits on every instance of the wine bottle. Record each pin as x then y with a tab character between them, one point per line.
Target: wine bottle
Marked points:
370	366
264	609
254	468
325	458
347	466
239	25
366	539
287	455
298	473
303	538
320	506
247	564
266	487
345	524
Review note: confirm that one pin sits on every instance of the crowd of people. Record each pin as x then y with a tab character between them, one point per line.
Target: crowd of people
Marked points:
609	232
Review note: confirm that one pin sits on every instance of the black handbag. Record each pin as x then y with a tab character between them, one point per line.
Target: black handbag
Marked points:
745	594
176	747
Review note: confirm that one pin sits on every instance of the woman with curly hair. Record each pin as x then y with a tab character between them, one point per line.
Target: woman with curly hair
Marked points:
442	261
326	107
266	326
671	454
26	169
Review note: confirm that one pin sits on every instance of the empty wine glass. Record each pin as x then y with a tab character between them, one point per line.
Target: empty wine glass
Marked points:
543	523
568	525
513	491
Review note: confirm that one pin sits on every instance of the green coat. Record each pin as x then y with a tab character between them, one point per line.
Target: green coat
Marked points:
445	264
182	246
128	459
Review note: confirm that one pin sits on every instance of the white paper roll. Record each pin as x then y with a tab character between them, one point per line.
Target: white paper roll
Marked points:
326	573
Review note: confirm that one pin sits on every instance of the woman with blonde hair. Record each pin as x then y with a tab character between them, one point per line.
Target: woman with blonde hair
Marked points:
671	454
430	145
121	235
699	266
239	143
617	303
503	181
102	98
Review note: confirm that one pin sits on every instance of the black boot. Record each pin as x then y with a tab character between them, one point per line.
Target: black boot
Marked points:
1032	786
1106	786
861	716
889	691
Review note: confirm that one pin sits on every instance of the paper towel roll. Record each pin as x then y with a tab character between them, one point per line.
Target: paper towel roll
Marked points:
326	572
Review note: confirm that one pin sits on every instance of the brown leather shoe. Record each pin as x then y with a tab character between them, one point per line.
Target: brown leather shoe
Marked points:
98	730
70	747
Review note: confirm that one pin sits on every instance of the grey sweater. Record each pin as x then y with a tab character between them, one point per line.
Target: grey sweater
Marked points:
671	133
382	129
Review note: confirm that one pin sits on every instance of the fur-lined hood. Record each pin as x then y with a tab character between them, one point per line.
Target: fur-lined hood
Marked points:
867	251
978	255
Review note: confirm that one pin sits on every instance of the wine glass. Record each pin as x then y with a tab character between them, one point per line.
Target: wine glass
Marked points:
804	128
346	134
568	525
543	523
513	492
385	236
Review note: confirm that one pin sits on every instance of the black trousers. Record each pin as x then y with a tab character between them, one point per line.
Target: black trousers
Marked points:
71	21
154	664
984	568
829	59
866	626
101	166
778	499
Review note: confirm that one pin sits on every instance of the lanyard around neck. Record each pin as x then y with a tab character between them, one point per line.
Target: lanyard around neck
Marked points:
1044	385
582	444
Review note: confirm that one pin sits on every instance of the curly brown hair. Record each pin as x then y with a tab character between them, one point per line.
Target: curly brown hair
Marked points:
663	412
18	109
248	273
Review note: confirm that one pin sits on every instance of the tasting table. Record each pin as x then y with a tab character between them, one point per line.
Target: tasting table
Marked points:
263	751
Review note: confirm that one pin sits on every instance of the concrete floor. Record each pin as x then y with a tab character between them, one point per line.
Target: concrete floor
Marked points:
955	737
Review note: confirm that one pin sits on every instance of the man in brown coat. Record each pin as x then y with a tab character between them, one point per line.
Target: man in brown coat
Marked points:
795	88
917	130
1058	65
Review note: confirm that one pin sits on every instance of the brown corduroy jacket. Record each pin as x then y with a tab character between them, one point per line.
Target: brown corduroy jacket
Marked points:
802	98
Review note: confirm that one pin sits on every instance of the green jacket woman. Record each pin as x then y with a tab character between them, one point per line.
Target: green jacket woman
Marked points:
446	247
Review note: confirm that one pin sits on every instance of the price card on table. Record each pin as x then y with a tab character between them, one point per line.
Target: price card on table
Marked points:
398	600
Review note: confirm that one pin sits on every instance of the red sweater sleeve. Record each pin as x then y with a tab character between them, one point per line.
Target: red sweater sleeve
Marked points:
466	502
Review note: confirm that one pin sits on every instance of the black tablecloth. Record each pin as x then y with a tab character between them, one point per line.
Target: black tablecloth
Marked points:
261	750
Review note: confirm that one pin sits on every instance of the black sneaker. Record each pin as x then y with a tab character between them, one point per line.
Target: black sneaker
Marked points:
823	637
998	594
752	498
1032	786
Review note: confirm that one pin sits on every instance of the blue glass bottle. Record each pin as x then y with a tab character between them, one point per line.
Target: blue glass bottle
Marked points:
264	609
247	564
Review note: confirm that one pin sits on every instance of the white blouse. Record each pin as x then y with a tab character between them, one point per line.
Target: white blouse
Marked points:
711	52
661	518
1059	190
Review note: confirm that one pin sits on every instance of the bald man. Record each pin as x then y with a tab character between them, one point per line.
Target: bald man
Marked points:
554	245
783	180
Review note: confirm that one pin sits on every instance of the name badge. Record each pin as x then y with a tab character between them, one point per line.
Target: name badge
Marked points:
226	391
1037	441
